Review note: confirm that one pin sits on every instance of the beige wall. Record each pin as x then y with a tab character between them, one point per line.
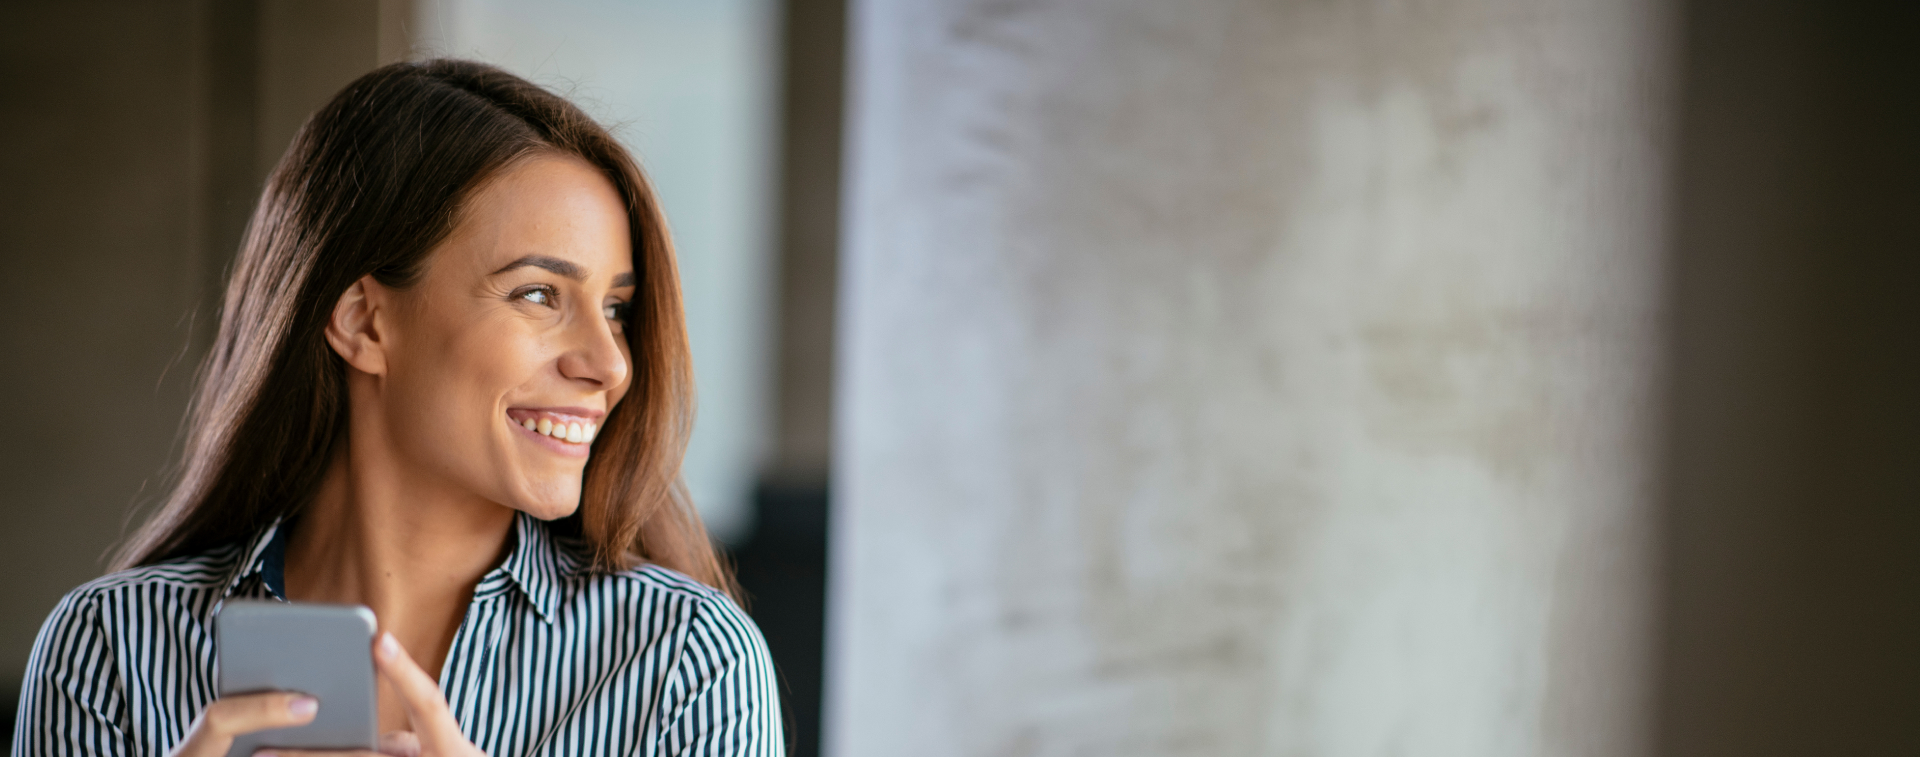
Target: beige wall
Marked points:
101	234
133	142
1232	378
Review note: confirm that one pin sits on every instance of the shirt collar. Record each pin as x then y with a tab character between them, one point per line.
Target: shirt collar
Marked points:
251	561
535	565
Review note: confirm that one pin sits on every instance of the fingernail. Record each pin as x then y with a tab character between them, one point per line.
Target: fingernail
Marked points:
303	706
388	646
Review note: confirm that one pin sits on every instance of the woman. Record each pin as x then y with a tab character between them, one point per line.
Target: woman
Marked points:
451	383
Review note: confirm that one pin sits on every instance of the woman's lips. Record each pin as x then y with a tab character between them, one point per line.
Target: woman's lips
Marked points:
573	427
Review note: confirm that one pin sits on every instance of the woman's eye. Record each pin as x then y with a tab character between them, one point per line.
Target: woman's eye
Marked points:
619	311
538	296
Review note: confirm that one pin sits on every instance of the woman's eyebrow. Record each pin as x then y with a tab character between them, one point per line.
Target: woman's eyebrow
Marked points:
556	265
562	267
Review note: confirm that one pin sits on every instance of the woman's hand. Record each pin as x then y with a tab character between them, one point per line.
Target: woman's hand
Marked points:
434	734
212	733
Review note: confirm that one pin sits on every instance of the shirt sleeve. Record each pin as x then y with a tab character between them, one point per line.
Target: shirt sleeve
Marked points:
721	697
71	699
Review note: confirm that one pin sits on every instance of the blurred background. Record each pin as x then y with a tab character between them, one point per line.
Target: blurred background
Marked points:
1229	377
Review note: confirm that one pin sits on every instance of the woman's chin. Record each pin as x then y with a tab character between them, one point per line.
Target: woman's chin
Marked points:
549	510
548	500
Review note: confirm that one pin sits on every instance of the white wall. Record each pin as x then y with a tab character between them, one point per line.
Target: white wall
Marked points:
1230	378
691	87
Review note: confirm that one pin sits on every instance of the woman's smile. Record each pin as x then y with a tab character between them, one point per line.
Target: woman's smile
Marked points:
566	430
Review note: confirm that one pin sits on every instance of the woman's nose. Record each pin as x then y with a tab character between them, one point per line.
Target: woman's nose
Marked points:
596	353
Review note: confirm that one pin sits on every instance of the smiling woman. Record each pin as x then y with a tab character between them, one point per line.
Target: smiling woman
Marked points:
451	383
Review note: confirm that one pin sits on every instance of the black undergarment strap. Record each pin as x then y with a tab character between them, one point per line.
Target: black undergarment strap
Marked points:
273	568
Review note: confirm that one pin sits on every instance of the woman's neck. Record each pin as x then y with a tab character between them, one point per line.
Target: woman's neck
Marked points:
414	555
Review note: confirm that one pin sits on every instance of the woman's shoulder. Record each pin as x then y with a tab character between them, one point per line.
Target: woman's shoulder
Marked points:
146	613
654	590
712	630
649	583
711	663
180	579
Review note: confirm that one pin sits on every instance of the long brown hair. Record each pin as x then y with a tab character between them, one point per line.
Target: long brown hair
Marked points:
372	182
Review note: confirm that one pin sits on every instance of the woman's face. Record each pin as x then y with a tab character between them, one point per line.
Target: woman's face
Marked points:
508	354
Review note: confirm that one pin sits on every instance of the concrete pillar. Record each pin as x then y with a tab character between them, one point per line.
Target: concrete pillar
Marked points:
1228	378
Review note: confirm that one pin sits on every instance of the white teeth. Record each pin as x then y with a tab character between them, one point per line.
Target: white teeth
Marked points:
577	432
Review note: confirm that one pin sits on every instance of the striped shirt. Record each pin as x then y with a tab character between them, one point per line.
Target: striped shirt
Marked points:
551	659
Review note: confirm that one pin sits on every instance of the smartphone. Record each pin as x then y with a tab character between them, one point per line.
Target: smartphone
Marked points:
325	651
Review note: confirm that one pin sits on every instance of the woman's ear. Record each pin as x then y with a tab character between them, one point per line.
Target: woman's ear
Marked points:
354	328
